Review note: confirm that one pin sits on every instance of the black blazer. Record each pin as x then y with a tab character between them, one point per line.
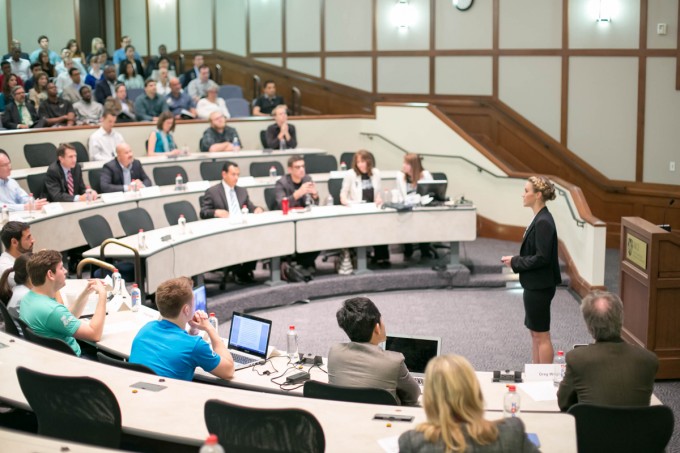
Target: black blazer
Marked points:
11	117
273	140
111	177
55	183
215	198
537	263
102	90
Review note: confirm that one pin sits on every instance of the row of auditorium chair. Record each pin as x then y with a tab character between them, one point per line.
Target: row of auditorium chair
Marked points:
232	94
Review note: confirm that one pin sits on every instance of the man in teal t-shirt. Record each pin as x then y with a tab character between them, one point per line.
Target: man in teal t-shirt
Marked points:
47	317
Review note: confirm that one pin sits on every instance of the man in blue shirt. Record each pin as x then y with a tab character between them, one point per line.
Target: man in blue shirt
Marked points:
179	102
119	54
11	194
168	349
44	43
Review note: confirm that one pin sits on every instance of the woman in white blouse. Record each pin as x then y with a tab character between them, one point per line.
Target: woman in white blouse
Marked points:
11	293
411	172
211	103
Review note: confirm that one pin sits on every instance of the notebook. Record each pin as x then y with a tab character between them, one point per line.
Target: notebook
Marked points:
417	351
248	339
200	299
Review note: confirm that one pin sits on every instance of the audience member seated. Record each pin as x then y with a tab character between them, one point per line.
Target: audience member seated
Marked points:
11	193
163	63
76	53
129	76
133	58
47	317
72	92
36	69
45	65
281	134
20	66
88	111
156	62
95	73
211	103
265	104
6	73
362	184
38	93
15	44
96	46
454	407
106	87
121	54
11	296
6	98
198	87
57	112
180	103
300	190
362	362
103	142
609	372
219	136
21	114
411	172
17	240
225	200
149	105
64	76
168	349
192	73
64	178
162	82
161	140
120	105
44	43
123	173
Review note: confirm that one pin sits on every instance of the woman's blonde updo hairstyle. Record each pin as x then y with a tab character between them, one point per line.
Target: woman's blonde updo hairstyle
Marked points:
544	186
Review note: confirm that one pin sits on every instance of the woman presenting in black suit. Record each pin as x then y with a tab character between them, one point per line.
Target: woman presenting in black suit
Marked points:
538	267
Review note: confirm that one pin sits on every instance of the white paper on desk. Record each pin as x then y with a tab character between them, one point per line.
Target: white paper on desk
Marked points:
389	444
198	185
540	390
246	181
113	197
539	372
53	208
150	191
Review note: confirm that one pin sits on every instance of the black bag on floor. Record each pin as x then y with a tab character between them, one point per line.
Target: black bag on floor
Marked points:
295	273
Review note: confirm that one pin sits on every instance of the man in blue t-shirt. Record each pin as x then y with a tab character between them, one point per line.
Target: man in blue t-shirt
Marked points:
47	317
168	349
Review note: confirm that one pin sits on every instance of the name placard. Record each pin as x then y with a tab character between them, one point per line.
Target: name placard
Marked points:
113	197
198	186
636	251
53	208
150	191
539	372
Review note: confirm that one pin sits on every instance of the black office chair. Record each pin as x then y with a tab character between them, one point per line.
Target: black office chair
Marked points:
176	208
79	409
93	175
439	176
320	163
36	185
211	171
263	139
135	219
246	429
95	230
262	168
227	92
622	429
40	154
238	108
81	152
320	390
52	343
165	176
334	187
270	199
10	327
103	358
347	157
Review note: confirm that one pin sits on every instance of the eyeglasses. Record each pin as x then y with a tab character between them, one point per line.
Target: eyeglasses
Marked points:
299	166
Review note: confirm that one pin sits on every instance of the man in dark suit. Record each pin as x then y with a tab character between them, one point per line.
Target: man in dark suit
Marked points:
225	200
281	134
192	73
21	114
362	362
609	372
123	173
64	178
106	87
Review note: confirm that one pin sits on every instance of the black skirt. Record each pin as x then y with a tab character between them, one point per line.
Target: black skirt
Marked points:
537	308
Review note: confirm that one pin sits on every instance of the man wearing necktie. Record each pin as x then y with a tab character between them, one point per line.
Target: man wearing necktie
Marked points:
21	114
64	178
225	200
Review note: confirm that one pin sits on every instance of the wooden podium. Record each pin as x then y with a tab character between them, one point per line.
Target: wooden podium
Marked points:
650	290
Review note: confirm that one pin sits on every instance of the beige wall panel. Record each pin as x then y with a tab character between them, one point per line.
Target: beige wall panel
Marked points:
110	38
662	111
348	25
415	37
532	87
603	113
471	29
464	75
351	71
265	26
163	25
231	26
666	12
621	33
311	66
133	24
403	75
27	47
303	25
530	24
54	20
196	24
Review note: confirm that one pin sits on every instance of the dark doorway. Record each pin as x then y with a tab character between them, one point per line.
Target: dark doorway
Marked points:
92	23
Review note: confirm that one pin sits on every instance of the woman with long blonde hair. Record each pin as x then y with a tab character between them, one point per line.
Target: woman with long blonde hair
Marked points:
454	407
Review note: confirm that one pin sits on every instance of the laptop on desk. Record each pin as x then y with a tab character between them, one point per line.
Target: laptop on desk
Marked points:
417	351
248	339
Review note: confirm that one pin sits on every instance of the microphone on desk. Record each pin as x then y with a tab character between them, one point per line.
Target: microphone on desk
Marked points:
664	225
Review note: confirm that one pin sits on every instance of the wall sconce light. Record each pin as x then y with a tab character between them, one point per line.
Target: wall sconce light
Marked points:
402	15
605	11
462	5
162	3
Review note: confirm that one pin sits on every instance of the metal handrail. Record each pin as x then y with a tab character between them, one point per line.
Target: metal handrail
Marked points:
137	261
579	222
296	95
96	262
257	86
218	75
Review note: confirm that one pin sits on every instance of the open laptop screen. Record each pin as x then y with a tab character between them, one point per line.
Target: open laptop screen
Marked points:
249	334
417	351
200	299
436	189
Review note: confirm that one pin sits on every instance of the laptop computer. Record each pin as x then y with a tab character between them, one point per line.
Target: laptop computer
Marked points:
435	189
248	339
200	299
417	351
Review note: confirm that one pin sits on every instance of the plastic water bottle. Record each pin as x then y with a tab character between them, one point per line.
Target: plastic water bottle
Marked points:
244	211
135	298
31	203
212	319
5	214
282	144
182	223
88	195
560	365
116	278
292	343
179	182
343	166
236	142
211	445
272	172
329	200
141	240
511	402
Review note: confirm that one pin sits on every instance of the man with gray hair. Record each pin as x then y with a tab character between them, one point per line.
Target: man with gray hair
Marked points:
609	372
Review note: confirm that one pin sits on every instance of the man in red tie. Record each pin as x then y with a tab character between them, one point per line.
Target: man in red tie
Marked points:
64	178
